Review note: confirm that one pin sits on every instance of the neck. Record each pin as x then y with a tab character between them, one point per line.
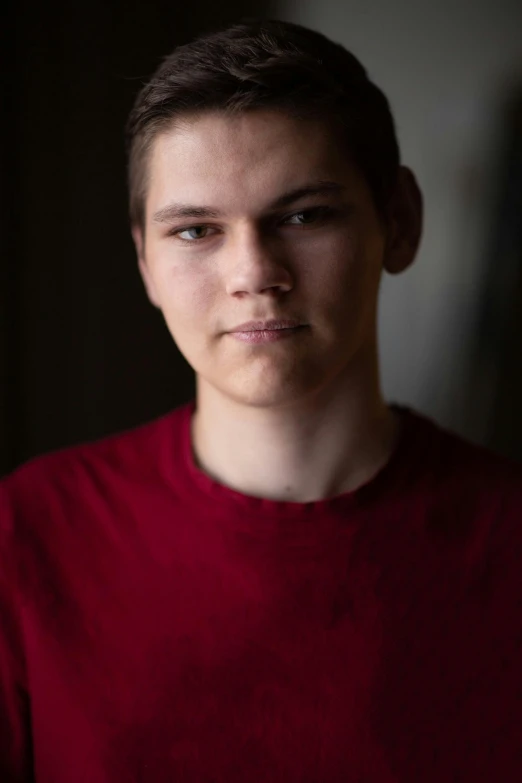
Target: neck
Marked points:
320	446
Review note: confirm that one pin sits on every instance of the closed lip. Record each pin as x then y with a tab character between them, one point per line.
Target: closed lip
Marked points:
266	326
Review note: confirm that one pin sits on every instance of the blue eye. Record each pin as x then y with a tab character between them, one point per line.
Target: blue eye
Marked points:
317	214
191	228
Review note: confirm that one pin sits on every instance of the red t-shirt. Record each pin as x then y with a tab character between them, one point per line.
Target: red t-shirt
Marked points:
157	627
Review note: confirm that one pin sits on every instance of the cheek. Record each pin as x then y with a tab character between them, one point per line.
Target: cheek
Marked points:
348	280
187	294
336	268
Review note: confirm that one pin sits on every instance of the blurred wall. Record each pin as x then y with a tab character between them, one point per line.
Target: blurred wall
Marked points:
448	68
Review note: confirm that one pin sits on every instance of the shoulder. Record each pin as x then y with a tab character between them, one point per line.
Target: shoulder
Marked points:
130	456
60	505
64	511
468	492
467	499
457	463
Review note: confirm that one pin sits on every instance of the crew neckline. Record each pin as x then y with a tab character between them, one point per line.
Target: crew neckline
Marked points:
405	459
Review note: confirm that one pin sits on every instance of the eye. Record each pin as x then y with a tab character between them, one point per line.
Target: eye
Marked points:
192	240
317	213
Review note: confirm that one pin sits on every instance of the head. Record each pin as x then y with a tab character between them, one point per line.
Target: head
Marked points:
265	183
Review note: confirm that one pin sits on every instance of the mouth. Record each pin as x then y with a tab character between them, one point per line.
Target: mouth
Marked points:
267	331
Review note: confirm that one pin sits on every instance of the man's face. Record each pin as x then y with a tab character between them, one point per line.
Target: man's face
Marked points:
316	261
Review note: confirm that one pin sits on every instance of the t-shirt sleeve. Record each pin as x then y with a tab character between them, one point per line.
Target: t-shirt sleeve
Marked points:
15	745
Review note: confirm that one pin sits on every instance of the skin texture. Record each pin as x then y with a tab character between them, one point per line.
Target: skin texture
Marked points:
301	418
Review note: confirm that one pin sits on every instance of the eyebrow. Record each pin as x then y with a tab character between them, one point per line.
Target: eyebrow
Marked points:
319	187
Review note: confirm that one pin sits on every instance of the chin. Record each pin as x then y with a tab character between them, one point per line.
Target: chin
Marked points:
269	389
270	381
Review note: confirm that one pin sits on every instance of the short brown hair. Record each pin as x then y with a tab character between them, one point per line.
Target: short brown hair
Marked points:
259	63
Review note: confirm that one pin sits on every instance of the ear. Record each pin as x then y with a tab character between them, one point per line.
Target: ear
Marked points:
148	282
405	217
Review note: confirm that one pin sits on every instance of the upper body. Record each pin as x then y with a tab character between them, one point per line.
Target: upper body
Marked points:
328	589
159	626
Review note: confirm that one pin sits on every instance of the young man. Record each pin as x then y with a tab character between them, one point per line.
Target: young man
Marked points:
288	580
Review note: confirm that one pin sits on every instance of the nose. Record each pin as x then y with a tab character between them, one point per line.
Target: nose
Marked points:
256	268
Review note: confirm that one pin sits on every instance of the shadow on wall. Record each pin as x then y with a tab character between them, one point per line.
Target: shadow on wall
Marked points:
495	379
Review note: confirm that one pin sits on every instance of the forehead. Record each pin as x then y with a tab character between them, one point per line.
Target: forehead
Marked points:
242	159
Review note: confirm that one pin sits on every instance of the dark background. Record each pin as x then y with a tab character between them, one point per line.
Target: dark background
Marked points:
82	352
